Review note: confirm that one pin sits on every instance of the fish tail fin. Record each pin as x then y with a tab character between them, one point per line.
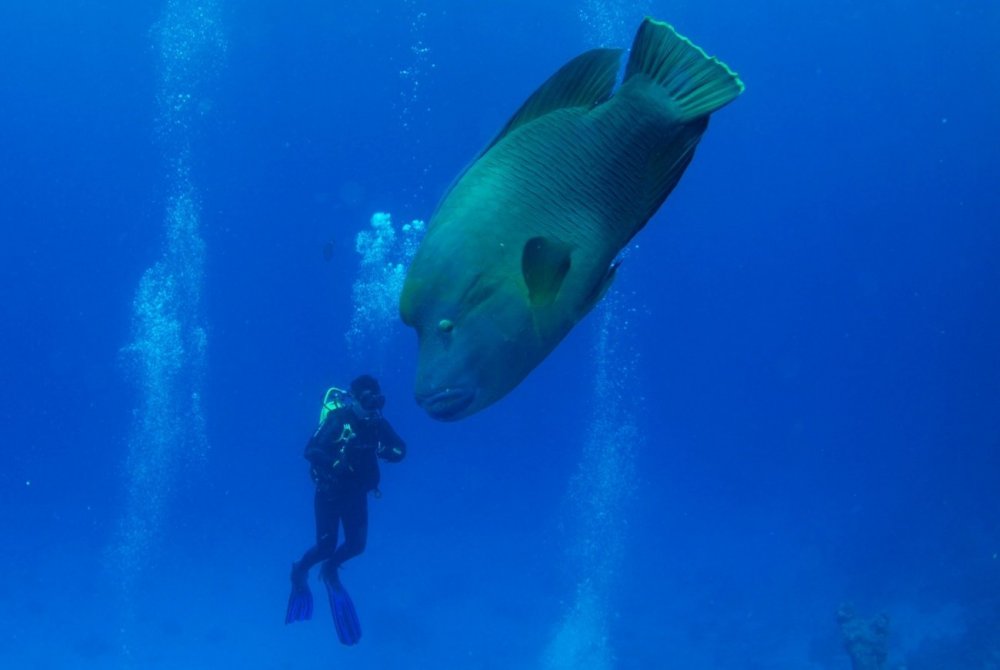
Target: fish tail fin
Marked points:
696	83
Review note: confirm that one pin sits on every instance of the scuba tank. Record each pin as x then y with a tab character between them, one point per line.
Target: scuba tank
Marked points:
333	400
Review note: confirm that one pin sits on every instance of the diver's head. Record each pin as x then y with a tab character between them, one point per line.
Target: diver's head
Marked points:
366	391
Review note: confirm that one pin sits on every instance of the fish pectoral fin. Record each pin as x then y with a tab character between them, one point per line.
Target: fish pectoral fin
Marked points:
584	81
545	261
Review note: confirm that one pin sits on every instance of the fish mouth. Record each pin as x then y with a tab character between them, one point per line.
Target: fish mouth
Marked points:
447	405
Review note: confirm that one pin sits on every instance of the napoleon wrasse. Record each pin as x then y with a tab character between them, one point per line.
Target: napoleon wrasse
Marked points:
524	243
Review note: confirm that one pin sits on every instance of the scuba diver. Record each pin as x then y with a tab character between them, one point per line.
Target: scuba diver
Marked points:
343	454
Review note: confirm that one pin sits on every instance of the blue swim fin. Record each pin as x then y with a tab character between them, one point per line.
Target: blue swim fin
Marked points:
345	617
300	602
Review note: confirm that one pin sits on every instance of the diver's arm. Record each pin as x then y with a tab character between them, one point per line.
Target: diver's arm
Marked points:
391	447
318	451
316	455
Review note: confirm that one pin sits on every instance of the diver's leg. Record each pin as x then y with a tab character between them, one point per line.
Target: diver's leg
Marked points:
300	601
326	506
354	516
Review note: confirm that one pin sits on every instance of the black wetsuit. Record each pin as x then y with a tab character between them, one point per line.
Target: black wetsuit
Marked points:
344	453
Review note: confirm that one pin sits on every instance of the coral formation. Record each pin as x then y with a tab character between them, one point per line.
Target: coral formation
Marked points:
866	640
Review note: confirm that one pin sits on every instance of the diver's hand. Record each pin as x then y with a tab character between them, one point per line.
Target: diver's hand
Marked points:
392	455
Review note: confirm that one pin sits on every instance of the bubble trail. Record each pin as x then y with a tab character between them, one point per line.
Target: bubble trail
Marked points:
414	108
384	259
611	24
166	357
603	485
599	495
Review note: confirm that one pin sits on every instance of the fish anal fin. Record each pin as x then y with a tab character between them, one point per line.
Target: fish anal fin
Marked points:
601	288
545	263
665	168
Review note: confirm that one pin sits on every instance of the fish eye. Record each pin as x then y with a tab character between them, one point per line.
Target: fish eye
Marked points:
445	325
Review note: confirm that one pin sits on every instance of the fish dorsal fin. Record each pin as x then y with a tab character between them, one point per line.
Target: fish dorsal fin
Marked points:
544	265
585	81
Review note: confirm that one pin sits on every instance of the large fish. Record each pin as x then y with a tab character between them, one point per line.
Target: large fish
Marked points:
524	243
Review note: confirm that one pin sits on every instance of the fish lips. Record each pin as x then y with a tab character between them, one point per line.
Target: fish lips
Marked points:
448	404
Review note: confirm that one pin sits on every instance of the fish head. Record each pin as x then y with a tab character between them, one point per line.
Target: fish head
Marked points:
476	335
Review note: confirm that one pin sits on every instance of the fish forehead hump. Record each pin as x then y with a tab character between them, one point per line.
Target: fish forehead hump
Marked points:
459	255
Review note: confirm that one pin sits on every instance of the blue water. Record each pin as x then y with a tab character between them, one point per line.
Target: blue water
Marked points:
789	400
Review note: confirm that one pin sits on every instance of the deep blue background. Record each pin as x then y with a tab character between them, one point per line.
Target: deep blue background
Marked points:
815	312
